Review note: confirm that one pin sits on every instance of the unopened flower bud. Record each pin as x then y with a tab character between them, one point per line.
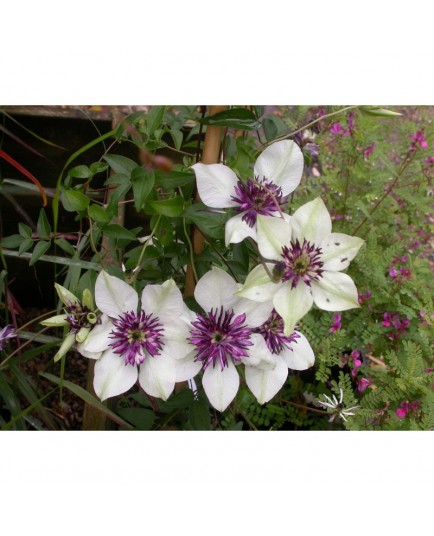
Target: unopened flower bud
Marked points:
88	299
55	321
68	298
67	344
82	334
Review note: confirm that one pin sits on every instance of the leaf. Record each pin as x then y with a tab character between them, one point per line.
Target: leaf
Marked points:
168	207
377	111
65	246
25	245
98	167
24	230
40	248
11	401
87	397
210	223
273	127
43	227
238	118
140	418
154	118
143	182
77	200
26	173
118	232
177	138
174	179
99	214
12	241
56	260
79	172
199	416
120	164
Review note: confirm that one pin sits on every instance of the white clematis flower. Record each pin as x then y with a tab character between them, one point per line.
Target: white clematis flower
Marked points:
308	259
277	172
137	343
289	352
223	337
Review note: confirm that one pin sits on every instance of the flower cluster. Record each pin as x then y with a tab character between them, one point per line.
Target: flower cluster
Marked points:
156	340
407	407
399	324
397	271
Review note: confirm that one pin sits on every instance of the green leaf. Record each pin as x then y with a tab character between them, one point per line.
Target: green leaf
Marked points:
273	127
168	207
120	164
177	138
140	418
25	245
12	241
154	118
40	248
377	111
43	227
98	167
238	118
99	214
65	246
77	200
24	230
118	232
79	172
86	265
11	401
143	181
199	416
87	397
210	223
174	179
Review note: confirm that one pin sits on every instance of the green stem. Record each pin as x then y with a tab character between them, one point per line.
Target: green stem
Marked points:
190	247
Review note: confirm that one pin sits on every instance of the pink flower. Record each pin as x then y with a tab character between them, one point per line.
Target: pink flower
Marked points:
337	317
364	297
363	384
392	272
429	160
338	129
369	150
407	407
418	138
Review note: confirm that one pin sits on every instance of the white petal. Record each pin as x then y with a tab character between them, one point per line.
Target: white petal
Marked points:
301	357
264	384
292	304
216	184
281	163
175	337
112	376
335	292
216	289
312	222
98	339
157	375
237	230
113	296
258	285
256	313
187	368
221	386
259	354
90	355
272	235
164	301
339	250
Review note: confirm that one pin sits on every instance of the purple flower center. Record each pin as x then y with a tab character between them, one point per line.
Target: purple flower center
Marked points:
272	331
220	335
79	316
300	262
257	197
135	335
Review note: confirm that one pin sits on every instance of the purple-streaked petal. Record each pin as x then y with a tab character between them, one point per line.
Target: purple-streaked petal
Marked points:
281	163
216	184
221	386
113	296
112	376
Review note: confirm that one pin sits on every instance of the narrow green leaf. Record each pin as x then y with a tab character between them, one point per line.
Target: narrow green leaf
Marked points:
177	138
65	246
174	179
43	226
24	230
143	181
87	397
77	200
79	172
40	248
117	231
120	164
154	119
377	111
11	402
12	241
86	265
25	245
168	207
98	167
239	118
210	223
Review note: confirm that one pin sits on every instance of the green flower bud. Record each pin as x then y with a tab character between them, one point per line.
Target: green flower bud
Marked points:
67	344
87	300
55	321
66	297
82	334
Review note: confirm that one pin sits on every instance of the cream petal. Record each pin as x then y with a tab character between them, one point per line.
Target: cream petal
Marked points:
339	250
272	235
258	285
221	386
187	368
175	337
164	301
292	304
265	384
311	222
301	356
113	296
216	184
281	163
259	354
157	375
335	291
236	230
256	313
216	289
112	376
98	339
90	355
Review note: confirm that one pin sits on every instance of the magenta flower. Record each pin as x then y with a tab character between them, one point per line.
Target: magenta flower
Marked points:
8	332
363	384
407	407
369	150
337	317
429	160
418	138
339	130
364	297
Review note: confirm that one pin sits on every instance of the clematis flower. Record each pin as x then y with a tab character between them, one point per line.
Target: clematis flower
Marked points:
277	172
222	337
307	259
138	342
8	332
80	316
289	352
